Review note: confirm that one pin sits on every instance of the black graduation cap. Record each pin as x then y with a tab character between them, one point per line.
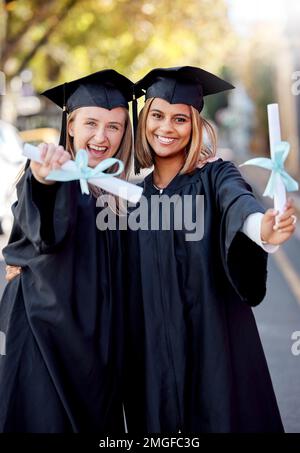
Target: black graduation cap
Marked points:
182	85
107	89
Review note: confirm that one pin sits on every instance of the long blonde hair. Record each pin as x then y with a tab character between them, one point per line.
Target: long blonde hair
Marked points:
196	152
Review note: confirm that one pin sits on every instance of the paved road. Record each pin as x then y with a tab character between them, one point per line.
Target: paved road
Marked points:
278	317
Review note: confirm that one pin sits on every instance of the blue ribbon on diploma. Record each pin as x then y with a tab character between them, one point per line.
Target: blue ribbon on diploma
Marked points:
276	165
82	172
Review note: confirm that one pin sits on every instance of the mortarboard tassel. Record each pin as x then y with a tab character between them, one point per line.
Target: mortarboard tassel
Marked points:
135	123
63	130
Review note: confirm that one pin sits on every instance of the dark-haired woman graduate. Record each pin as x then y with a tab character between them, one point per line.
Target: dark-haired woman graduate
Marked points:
62	316
194	360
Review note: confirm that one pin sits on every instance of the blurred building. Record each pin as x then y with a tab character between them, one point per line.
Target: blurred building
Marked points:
237	121
287	64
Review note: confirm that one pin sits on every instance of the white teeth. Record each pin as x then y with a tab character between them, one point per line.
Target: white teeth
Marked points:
98	148
165	140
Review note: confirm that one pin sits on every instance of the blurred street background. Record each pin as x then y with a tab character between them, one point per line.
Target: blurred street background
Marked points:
255	44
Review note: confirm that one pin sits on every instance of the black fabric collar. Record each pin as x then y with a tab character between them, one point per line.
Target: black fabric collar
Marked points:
177	182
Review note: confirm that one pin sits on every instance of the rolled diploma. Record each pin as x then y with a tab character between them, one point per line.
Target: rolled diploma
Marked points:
275	138
116	186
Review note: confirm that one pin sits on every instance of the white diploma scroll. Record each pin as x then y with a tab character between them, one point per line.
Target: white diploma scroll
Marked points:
275	138
116	186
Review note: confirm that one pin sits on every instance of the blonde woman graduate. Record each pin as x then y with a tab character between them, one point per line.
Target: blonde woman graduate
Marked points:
62	315
194	360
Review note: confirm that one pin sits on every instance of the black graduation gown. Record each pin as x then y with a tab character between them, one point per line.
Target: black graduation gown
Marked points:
194	360
62	316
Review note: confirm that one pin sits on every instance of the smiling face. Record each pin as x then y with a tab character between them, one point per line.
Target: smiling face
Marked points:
97	130
168	128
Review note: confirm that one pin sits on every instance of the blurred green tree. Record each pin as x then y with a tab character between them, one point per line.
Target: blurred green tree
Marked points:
65	39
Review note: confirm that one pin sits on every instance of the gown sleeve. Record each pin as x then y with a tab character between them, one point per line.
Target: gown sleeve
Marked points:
244	261
44	214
